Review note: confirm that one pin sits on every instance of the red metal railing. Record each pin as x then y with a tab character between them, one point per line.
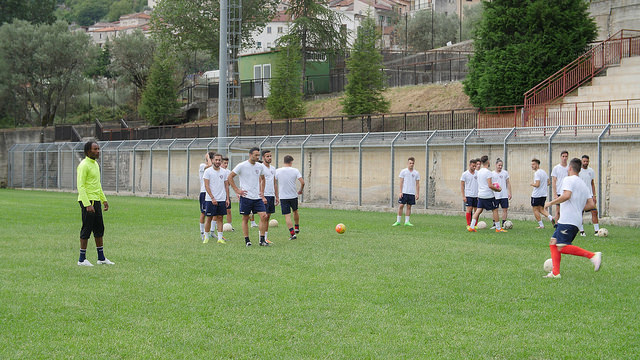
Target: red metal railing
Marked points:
624	43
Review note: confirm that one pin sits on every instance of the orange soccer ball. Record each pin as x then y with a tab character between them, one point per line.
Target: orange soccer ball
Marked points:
340	228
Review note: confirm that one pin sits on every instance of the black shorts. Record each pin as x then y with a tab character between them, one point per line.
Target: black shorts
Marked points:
407	199
538	201
271	204
92	222
503	203
565	233
203	207
248	206
216	208
288	205
471	202
487	204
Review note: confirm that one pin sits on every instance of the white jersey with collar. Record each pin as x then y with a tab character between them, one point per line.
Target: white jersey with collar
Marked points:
287	177
572	209
541	190
470	183
560	172
501	178
216	184
409	182
269	176
588	175
484	191
249	178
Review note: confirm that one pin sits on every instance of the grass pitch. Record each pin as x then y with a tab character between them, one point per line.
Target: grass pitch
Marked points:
432	291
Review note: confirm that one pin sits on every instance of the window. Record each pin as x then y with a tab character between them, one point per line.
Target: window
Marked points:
268	29
269	45
279	29
259	44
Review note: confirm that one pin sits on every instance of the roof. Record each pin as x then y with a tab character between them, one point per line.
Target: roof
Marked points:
136	16
281	16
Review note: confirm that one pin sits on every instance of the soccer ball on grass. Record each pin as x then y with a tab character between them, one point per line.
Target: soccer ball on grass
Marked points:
273	223
482	225
227	227
548	265
340	228
603	232
508	225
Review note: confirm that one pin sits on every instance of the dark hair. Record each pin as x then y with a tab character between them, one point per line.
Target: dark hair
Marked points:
88	145
265	152
255	148
288	159
498	160
536	161
564	152
211	155
225	159
411	159
216	154
484	159
473	161
575	164
477	160
585	157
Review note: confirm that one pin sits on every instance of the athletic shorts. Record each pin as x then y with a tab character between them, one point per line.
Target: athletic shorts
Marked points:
407	199
471	201
565	233
539	201
92	222
503	203
271	204
203	206
248	206
487	204
288	205
216	208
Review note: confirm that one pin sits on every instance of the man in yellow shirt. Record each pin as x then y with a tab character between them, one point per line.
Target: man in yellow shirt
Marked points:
90	197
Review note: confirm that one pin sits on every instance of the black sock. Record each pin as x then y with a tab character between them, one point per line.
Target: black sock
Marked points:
100	253
502	223
262	238
83	255
246	239
297	226
291	231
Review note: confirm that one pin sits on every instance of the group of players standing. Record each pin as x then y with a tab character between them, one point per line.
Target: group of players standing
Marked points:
261	188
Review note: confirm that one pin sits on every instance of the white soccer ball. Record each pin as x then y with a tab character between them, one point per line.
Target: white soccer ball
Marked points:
482	225
548	265
508	225
603	232
273	223
227	227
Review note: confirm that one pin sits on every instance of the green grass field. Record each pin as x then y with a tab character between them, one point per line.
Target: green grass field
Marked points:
432	291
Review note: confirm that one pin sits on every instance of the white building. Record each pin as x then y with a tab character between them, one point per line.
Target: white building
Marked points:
101	32
268	38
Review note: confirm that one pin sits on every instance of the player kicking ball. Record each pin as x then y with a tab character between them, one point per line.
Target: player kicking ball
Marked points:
574	199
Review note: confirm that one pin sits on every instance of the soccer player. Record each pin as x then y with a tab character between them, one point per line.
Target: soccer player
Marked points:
503	197
539	193
486	198
251	191
225	165
469	190
285	181
588	176
558	174
217	198
270	190
409	191
575	199
203	166
90	198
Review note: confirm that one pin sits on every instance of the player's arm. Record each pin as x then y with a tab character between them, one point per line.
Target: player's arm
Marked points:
536	183
417	189
226	189
553	186
508	189
464	198
566	195
590	205
233	185
206	188
262	185
491	185
275	189
400	188
593	190
301	185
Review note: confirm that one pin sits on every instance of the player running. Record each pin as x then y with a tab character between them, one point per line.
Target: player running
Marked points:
486	199
469	190
539	193
217	199
409	191
285	181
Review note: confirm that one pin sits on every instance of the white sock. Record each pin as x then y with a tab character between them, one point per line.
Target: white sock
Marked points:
253	223
265	235
581	227
473	222
219	235
497	224
399	218
406	219
201	228
541	223
208	235
550	217
596	227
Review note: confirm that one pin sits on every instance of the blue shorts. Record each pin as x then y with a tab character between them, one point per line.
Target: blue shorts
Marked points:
288	205
565	233
471	201
503	203
248	206
203	206
216	208
487	204
538	201
271	204
407	199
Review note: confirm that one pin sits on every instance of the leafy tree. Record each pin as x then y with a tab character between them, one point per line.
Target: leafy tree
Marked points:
132	56
159	103
123	7
421	32
285	100
520	43
365	81
34	11
472	16
88	12
101	63
42	64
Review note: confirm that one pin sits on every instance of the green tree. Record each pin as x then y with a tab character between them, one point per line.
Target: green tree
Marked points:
517	44
365	81
124	7
43	64
88	12
132	56
159	104
472	16
34	11
421	31
285	100
100	65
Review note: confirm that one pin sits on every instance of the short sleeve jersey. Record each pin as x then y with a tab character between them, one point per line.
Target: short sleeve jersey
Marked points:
269	176
560	172
409	182
501	178
249	177
484	191
216	184
571	210
470	183
541	190
200	176
287	177
587	175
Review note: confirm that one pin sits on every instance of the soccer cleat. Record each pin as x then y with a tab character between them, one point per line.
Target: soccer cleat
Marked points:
493	227
582	233
297	231
264	243
293	237
471	229
551	276
254	225
206	239
396	223
596	260
501	230
221	241
540	227
268	242
248	243
596	234
408	224
85	263
106	262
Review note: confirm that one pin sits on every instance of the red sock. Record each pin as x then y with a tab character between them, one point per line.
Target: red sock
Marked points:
577	251
555	257
468	216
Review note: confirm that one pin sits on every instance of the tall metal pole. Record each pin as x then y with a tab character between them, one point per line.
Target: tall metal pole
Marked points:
393	165
600	169
426	166
360	168
222	78
331	165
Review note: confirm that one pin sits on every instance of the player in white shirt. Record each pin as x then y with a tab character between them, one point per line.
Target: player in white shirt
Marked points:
469	189
575	199
270	190
203	166
486	197
285	182
558	173
217	198
539	193
251	190
409	191
503	197
225	165
588	176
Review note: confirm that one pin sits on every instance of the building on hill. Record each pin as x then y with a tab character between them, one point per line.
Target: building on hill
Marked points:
268	37
102	32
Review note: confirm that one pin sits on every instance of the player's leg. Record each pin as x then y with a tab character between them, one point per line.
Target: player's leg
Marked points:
555	259
468	214
98	233
594	221
253	220
474	219
407	216
218	220
85	234
266	230
202	211
399	215
285	208
229	217
263	227
207	225
296	220
496	220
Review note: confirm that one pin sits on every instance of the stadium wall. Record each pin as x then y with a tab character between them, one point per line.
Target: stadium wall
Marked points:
10	137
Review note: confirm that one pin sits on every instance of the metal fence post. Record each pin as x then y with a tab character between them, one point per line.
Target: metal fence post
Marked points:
302	156
331	164
59	176
549	149
426	166
133	173
169	166
606	128
464	149
118	166
11	164
504	147
360	168
393	166
188	162
34	167
46	169
23	172
151	165
276	150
